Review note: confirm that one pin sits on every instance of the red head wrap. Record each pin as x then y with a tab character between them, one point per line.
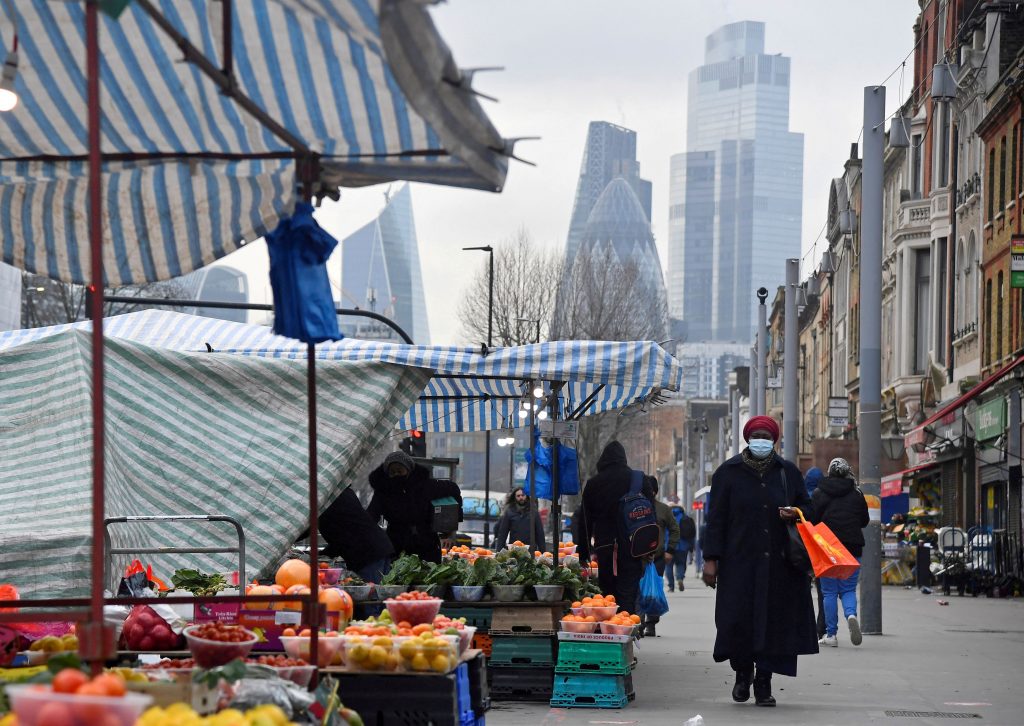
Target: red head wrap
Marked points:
767	423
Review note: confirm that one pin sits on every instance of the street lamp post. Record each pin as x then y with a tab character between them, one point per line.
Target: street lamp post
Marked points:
536	322
762	352
487	435
700	428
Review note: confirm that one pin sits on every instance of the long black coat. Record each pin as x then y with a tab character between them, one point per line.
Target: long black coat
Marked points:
406	505
514	526
763	610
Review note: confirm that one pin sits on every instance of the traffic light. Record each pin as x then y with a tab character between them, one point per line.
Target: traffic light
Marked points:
415	445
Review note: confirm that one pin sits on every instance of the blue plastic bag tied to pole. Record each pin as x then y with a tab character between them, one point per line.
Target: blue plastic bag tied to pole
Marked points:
303	300
652	592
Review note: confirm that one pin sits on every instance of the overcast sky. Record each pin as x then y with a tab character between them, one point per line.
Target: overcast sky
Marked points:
569	62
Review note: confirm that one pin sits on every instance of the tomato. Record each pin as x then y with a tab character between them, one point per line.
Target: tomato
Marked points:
69	680
55	714
111	683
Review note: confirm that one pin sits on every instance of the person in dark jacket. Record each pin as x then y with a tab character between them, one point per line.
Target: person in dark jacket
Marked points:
763	609
402	494
618	572
840	505
514	524
352	534
686	544
663	557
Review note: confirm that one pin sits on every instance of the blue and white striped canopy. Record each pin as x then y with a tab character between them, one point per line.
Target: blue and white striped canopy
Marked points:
367	85
467	392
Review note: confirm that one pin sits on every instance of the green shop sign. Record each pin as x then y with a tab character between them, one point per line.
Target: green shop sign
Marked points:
990	419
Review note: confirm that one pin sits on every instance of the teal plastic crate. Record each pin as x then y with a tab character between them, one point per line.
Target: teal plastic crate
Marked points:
588	657
522	651
591	691
479	618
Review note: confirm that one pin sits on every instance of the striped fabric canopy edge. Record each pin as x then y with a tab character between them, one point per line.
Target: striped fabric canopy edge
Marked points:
368	86
468	391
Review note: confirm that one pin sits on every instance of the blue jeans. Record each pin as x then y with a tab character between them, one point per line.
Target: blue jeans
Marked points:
677	569
833	590
374	571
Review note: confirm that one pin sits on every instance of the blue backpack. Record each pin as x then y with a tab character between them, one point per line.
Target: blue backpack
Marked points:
638	521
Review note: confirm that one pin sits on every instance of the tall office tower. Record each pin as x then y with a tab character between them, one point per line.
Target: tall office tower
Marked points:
735	194
610	152
380	272
214	283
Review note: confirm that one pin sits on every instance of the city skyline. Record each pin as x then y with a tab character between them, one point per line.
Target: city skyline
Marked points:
736	191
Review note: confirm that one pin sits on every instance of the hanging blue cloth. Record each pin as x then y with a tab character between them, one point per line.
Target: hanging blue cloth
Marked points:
568	471
303	302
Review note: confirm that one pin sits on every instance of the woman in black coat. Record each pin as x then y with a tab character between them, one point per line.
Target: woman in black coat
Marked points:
763	609
402	494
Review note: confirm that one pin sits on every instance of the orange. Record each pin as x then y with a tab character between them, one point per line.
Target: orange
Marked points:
337	601
590	619
260	590
609	598
288	632
111	684
293	572
577	604
69	680
304	633
294	590
55	714
634	618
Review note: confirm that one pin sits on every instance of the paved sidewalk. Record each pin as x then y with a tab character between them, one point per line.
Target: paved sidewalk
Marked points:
964	658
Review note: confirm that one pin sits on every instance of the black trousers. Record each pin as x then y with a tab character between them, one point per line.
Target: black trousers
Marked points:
621	579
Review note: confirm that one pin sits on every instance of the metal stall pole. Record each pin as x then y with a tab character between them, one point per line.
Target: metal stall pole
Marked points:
790	415
533	472
735	421
97	640
869	425
762	352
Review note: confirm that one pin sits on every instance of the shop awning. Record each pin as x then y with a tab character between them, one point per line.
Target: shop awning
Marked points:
363	91
917	436
468	391
892	485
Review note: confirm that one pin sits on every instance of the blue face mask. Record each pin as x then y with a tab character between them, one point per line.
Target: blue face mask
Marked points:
761	448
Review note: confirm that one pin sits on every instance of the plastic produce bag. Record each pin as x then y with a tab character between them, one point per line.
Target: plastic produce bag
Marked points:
652	592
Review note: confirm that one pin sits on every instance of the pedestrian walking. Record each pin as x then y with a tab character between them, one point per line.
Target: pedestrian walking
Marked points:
602	531
839	503
684	548
514	524
812	478
664	557
403	494
763	609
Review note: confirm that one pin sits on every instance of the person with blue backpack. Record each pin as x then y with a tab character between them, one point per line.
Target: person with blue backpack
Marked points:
687	537
619	525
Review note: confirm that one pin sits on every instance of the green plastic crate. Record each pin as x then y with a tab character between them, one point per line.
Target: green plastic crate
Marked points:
591	691
587	657
479	618
526	651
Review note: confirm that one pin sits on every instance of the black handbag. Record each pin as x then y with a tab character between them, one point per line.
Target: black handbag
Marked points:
796	551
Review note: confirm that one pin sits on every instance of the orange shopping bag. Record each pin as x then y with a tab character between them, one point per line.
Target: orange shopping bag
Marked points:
828	556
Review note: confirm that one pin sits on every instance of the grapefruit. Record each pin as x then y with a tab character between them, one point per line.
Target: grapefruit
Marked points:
293	572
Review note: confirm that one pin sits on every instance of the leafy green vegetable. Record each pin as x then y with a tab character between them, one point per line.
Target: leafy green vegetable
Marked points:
482	572
198	583
406	570
448	573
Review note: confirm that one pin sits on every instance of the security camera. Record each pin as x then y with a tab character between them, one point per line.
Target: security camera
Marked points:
762	294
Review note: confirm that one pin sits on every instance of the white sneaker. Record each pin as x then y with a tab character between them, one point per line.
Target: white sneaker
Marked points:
855	635
829	640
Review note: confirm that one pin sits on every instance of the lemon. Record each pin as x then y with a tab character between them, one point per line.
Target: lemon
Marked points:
426	636
392	664
420	663
440	663
383	641
378	656
408	649
359	652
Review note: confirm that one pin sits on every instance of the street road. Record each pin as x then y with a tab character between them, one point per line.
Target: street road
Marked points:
964	658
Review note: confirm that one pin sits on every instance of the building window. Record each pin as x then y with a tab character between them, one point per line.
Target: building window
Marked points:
940	309
922	309
988	322
970	290
1000	293
1002	174
1013	163
959	286
916	166
990	190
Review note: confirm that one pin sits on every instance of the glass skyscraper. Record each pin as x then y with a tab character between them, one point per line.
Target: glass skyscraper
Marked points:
735	194
610	153
380	272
